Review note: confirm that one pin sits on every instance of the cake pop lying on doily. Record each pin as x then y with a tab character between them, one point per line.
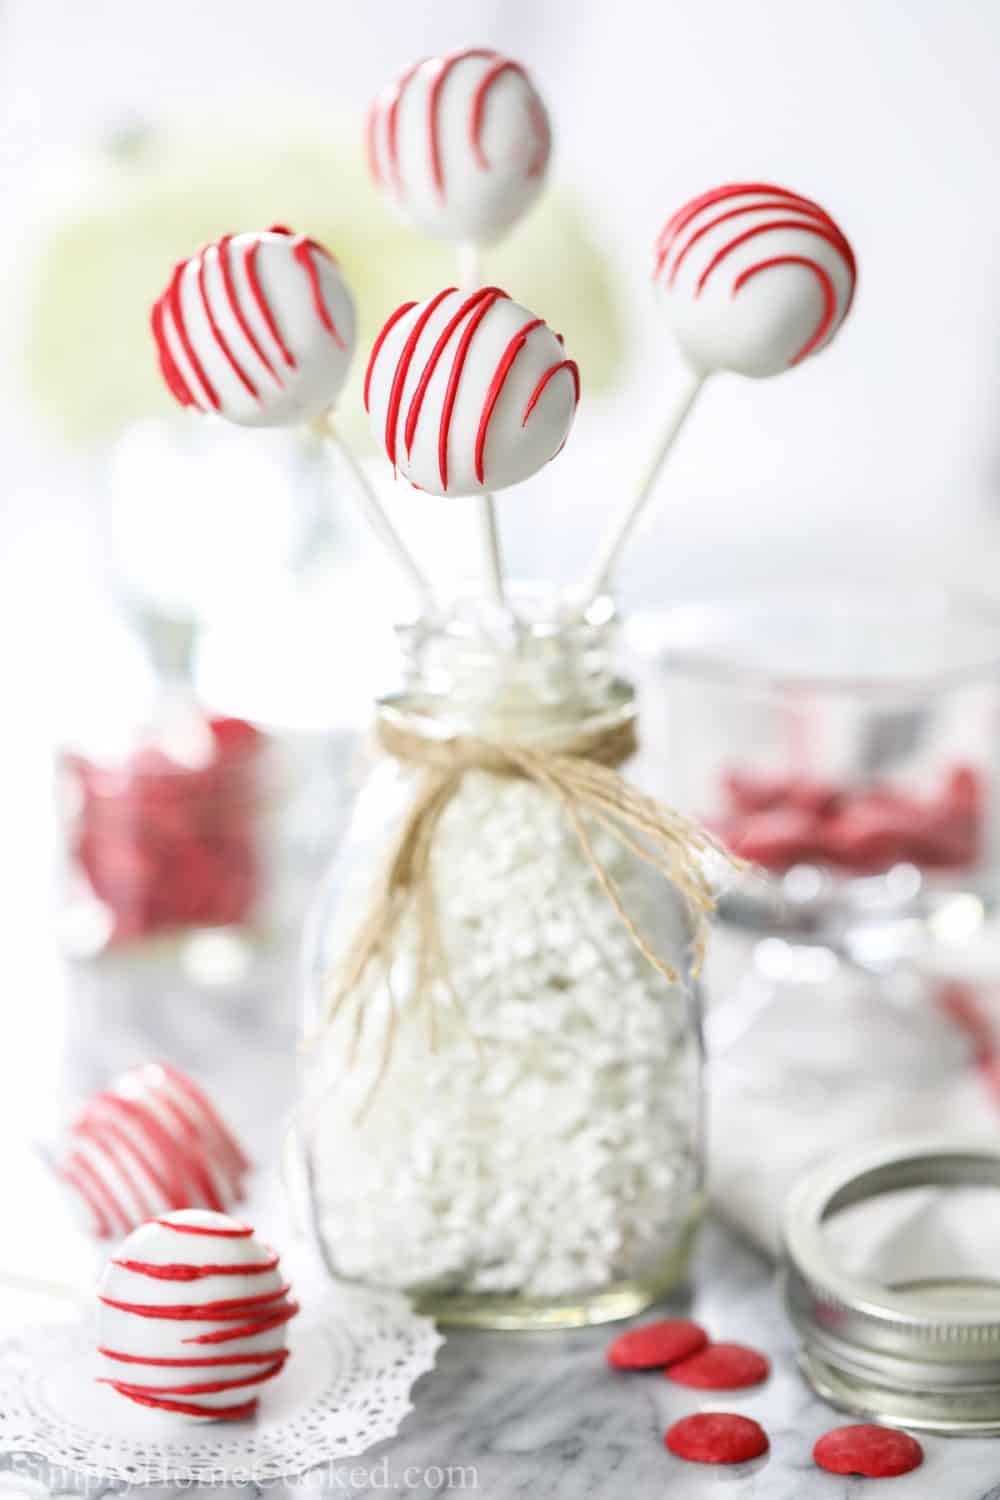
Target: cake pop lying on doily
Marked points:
193	1316
459	144
260	329
151	1142
754	279
469	394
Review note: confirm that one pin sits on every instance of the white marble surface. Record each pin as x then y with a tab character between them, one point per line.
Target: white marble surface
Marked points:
510	1415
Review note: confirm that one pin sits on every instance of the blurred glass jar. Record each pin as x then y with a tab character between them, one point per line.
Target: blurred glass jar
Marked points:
169	837
846	746
519	1143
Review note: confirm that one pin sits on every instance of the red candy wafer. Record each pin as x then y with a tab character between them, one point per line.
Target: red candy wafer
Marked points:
656	1345
721	1367
717	1437
866	1449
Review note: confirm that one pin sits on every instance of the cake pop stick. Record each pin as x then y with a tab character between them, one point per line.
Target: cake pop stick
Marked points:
469	394
460	145
754	279
260	329
470	277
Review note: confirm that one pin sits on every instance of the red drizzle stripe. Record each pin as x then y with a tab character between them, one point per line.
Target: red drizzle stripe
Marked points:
832	238
392	131
736	213
236	307
679	221
403	369
445	68
417	401
371	148
219	336
226	1140
173	1190
196	1388
102	1192
303	253
198	1364
387	328
500	374
451	393
177	313
564	364
194	1273
246	1330
187	1312
192	1409
105	1138
489	78
829	296
541	123
250	266
235	1232
93	1199
176	383
181	1166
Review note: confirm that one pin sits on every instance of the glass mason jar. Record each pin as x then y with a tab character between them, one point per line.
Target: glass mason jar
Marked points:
518	1141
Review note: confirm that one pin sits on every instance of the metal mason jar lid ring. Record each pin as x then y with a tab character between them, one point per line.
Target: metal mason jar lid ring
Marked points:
924	1353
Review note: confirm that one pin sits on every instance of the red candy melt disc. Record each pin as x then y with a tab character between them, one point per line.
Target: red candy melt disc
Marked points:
717	1437
875	1452
656	1345
721	1367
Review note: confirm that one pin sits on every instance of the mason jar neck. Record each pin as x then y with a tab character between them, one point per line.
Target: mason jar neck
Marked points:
533	673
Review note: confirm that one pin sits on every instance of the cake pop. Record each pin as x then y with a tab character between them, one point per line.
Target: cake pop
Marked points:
193	1316
755	279
460	144
260	329
151	1142
469	394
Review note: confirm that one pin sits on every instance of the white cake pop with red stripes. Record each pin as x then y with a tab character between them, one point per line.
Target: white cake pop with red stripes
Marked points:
754	278
151	1142
257	328
469	393
460	144
193	1316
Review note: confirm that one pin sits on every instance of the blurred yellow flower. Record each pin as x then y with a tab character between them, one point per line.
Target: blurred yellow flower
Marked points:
158	194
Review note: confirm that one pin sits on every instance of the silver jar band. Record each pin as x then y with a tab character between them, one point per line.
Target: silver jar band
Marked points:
914	1357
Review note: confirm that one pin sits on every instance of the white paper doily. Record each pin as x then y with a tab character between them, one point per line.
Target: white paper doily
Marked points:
346	1386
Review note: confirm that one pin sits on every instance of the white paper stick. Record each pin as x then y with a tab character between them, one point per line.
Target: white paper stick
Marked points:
377	518
621	529
470	275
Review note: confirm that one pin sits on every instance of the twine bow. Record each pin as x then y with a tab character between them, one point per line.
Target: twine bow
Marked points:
581	773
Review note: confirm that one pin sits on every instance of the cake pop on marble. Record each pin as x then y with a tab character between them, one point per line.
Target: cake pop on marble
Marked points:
193	1316
460	144
151	1142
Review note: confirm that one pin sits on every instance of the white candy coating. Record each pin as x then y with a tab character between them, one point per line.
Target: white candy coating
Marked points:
166	1268
754	279
150	1142
258	328
460	144
469	393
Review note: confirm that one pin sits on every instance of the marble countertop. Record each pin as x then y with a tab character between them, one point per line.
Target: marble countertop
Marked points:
540	1415
509	1415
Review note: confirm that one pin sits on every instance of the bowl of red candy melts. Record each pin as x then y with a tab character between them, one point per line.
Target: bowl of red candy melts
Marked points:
777	822
160	846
